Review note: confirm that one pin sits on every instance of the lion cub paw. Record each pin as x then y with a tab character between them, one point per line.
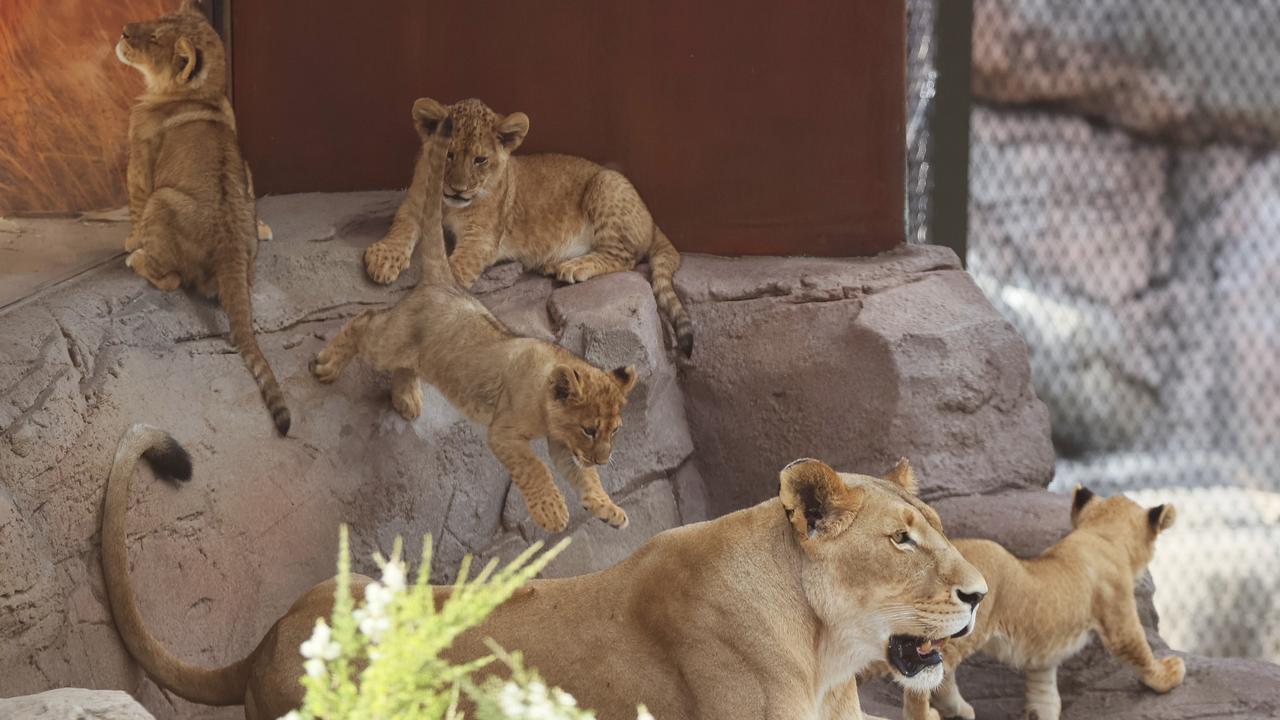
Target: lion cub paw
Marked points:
325	367
576	270
384	262
549	511
264	231
1168	675
408	402
605	509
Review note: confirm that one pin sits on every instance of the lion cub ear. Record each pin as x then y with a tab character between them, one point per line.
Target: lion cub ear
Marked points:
512	129
903	476
1079	499
187	60
427	115
817	502
566	384
625	376
1161	517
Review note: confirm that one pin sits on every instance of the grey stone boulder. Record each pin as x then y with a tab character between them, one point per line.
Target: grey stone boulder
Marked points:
74	704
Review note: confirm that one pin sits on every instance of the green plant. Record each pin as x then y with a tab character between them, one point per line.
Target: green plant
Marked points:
382	660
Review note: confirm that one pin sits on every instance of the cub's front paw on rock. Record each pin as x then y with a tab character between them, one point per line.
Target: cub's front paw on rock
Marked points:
408	403
264	231
324	368
606	510
550	512
1169	675
384	262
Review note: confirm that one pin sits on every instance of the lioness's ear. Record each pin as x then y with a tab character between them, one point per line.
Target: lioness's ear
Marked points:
186	60
512	129
566	384
816	500
427	116
903	476
625	377
1161	517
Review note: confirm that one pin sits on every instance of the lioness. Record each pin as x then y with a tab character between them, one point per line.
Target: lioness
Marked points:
564	216
765	613
1041	611
191	199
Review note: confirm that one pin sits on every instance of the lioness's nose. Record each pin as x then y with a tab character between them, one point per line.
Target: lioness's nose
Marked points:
970	598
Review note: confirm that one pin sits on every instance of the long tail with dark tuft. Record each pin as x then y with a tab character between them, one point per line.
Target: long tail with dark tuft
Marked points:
664	260
222	686
233	293
436	269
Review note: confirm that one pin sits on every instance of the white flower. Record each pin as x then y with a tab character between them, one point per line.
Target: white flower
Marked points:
511	700
291	715
642	713
564	699
393	575
314	668
321	646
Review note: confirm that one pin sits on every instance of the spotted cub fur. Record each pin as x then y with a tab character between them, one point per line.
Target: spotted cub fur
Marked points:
563	216
520	388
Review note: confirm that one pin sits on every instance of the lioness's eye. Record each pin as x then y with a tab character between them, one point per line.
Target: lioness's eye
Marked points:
589	431
480	159
902	537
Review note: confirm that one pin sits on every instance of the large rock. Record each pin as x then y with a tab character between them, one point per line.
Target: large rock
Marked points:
1187	70
857	362
74	704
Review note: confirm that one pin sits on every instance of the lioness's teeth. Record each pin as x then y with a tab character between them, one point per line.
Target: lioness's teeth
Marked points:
925	648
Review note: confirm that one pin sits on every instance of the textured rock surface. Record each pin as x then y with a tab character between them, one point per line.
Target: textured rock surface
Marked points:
74	704
858	362
1093	684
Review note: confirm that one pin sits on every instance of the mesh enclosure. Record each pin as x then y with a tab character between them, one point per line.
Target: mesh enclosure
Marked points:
1124	215
921	79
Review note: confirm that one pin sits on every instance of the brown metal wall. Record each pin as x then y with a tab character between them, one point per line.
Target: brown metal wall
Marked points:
757	126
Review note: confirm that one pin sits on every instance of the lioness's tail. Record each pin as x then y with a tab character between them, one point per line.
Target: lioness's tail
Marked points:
436	269
233	293
224	686
664	260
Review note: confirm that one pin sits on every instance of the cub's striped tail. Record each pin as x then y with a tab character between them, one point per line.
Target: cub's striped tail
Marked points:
222	686
233	293
664	260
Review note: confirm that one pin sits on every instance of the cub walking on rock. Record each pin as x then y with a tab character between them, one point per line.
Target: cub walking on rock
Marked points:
521	388
1039	612
564	216
190	196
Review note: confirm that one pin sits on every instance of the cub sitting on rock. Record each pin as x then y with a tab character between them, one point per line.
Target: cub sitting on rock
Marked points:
1039	612
564	216
521	388
190	196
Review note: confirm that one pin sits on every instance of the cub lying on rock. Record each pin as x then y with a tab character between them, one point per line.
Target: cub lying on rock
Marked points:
564	216
520	388
1040	612
764	614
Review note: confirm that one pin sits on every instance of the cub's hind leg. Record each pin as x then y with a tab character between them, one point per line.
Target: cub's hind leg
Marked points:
1042	699
406	393
329	363
620	226
586	481
154	239
531	476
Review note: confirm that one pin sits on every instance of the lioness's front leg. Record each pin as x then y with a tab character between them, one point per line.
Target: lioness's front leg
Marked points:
546	504
586	481
1124	637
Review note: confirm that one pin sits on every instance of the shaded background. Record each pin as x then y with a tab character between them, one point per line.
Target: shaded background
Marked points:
1123	212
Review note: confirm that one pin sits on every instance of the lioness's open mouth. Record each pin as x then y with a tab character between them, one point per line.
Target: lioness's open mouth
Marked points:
910	654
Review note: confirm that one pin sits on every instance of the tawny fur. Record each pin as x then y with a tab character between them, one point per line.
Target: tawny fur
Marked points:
563	216
1040	611
190	195
520	388
755	615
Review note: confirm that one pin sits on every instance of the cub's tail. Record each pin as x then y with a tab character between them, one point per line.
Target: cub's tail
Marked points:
436	136
224	686
664	260
233	293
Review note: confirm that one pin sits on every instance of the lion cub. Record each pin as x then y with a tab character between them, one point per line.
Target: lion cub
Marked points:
564	216
190	198
1039	612
521	388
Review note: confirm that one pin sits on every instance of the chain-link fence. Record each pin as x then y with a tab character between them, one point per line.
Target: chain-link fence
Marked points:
1124	214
